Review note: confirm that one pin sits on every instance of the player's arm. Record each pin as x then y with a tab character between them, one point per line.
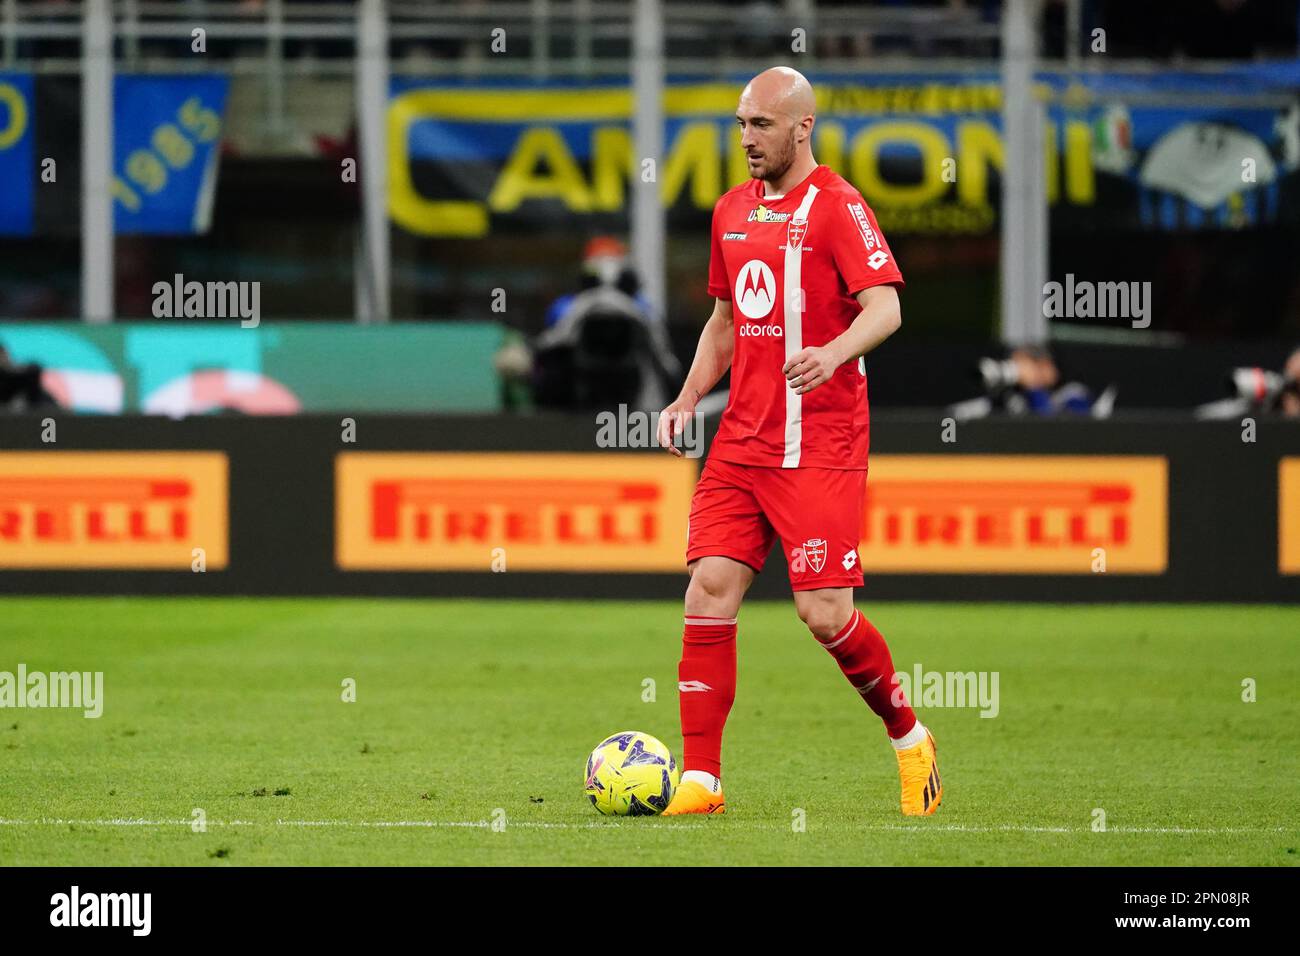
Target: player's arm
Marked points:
881	317
712	354
712	359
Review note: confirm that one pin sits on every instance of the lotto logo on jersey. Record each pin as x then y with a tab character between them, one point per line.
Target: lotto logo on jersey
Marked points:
755	292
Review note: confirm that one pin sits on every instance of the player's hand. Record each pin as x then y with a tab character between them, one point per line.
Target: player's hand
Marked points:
672	421
811	367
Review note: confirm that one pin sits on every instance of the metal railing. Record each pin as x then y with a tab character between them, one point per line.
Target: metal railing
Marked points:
541	38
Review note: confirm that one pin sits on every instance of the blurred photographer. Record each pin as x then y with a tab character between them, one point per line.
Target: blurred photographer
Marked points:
602	346
1028	382
1259	391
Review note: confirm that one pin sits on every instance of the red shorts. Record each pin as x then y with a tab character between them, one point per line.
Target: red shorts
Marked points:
739	510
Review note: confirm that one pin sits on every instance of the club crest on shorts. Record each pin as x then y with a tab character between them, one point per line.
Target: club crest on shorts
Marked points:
795	231
814	550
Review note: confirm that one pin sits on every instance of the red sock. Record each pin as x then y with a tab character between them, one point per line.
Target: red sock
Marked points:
863	657
706	688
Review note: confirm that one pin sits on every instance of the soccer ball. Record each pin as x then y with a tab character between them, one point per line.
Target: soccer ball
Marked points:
631	775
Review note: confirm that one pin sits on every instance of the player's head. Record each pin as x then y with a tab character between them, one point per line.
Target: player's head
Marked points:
776	114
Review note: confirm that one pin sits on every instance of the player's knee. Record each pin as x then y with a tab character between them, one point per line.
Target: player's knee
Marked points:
823	618
712	593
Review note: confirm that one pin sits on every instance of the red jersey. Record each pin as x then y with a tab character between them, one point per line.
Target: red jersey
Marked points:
820	237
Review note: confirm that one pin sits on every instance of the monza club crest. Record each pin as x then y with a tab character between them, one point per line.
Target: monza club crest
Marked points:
794	232
814	552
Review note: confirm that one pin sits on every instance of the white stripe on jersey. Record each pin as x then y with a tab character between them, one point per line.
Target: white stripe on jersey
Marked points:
794	334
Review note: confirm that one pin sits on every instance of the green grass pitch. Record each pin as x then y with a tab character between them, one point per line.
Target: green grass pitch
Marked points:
470	712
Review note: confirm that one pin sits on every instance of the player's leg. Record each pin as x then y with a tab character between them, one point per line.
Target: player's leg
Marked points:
818	514
727	541
707	671
864	659
861	652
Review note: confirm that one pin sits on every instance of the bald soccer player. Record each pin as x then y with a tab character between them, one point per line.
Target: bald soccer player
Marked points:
804	287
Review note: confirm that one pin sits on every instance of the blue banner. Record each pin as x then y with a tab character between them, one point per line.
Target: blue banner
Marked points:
166	149
17	155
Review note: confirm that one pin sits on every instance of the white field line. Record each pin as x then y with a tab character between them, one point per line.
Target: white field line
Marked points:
600	825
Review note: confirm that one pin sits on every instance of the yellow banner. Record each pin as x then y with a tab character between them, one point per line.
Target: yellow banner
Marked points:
120	510
1011	514
511	511
571	153
1288	516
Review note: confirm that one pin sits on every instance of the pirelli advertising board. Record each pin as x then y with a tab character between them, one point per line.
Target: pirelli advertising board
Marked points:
1014	514
113	510
1130	511
1288	516
991	514
532	511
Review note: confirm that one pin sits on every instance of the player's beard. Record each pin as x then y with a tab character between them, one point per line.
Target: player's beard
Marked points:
779	164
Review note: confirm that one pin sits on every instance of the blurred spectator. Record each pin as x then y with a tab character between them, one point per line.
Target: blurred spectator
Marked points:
1204	29
1290	405
759	29
20	386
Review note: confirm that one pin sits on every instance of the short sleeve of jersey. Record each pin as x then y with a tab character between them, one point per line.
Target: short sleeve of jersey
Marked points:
719	282
861	255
